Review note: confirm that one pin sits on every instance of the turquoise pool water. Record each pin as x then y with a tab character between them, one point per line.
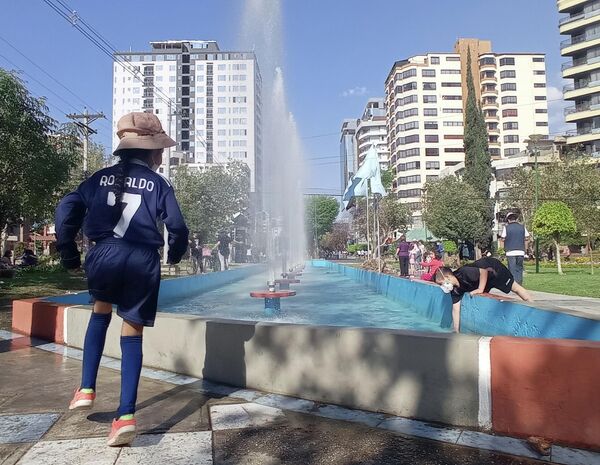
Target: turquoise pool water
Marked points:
323	298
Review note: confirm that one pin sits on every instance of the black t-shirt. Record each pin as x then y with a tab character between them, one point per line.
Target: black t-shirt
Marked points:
224	242
468	276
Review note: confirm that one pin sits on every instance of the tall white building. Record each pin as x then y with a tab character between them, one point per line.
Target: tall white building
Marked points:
425	100
208	100
348	152
371	129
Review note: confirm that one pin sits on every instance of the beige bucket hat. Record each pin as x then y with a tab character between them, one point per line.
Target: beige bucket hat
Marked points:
142	131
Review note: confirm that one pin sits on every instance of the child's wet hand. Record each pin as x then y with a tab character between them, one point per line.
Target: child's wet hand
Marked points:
476	292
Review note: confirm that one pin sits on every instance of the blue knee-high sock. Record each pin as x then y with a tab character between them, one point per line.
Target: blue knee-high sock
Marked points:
93	346
131	367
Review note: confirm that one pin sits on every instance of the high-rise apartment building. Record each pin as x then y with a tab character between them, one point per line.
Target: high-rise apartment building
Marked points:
371	129
348	152
426	97
208	100
358	135
583	48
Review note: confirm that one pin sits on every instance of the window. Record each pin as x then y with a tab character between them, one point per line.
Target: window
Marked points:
507	61
510	112
451	163
451	97
403	194
221	88
429	86
508	86
452	110
511	139
540	97
487	61
432	138
408	153
222	67
450	71
451	84
454	150
539	72
432	165
511	152
453	137
430	112
413	165
511	99
222	132
453	123
435	60
410	86
429	98
428	73
431	177
538	59
409	139
432	152
408	126
452	58
539	85
507	74
409	179
541	110
431	125
510	126
541	123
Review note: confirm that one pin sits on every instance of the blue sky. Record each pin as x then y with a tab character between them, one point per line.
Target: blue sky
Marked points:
337	52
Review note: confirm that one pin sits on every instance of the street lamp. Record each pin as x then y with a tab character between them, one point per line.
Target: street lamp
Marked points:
535	138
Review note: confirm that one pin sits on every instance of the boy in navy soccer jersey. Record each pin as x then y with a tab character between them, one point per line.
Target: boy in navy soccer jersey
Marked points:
119	208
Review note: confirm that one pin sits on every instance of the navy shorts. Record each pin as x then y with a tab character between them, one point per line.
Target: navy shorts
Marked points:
127	275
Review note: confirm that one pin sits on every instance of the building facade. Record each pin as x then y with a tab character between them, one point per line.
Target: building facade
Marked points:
582	25
348	152
425	100
371	129
208	100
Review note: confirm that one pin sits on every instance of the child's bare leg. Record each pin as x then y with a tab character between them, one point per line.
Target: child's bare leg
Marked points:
521	292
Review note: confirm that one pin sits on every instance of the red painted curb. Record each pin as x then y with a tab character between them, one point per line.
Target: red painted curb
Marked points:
38	318
547	388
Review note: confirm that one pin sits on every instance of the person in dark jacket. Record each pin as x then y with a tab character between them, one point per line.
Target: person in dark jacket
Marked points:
479	277
403	254
119	208
514	238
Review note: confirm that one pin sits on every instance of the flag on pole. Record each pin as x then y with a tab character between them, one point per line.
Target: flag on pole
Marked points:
357	185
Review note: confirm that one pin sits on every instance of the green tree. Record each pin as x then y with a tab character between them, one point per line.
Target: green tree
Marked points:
393	216
453	210
387	179
335	240
34	161
554	220
478	164
210	199
319	214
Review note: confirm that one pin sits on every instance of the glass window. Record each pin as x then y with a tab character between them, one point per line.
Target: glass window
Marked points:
508	73
432	138
512	139
429	86
428	73
508	86
509	99
507	61
430	112
429	98
435	60
538	59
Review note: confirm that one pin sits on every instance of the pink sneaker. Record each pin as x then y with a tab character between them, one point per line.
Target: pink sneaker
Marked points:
122	432
82	401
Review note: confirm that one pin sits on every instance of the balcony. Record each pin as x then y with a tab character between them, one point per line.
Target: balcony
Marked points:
486	92
486	104
575	67
580	112
578	43
572	23
580	89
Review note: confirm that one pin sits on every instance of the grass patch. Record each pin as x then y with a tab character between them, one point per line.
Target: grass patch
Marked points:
577	281
29	284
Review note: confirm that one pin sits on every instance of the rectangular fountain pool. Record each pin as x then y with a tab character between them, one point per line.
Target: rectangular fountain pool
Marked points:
323	297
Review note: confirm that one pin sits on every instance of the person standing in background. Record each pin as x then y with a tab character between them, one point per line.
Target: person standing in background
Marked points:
403	253
513	240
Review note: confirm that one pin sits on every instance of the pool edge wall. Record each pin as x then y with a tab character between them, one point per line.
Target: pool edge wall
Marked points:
515	386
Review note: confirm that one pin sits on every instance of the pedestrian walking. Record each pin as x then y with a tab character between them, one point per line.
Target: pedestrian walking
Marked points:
119	208
514	241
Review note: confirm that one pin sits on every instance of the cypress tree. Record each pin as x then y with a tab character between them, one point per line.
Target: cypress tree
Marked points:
478	164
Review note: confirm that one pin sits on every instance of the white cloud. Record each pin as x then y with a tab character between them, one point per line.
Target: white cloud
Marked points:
556	108
354	92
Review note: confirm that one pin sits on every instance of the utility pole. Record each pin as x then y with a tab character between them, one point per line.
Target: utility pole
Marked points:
167	175
86	130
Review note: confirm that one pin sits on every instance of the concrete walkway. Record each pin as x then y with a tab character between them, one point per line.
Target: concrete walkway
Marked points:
185	422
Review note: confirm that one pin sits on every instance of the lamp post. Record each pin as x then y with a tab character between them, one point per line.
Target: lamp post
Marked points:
535	138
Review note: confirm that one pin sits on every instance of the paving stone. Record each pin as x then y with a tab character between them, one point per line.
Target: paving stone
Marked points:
420	429
25	428
568	456
11	453
235	416
72	452
356	416
287	403
172	449
498	443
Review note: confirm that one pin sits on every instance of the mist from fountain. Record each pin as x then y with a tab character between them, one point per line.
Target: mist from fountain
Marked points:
282	153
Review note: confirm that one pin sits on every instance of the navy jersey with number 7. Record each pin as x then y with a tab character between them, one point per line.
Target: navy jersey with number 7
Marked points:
147	197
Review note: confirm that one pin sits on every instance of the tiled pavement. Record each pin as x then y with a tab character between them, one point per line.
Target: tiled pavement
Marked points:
184	420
